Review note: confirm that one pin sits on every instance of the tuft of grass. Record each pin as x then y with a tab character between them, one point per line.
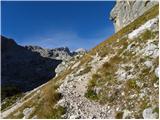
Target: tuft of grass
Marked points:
146	35
10	101
86	70
156	110
57	112
106	65
91	94
131	84
143	104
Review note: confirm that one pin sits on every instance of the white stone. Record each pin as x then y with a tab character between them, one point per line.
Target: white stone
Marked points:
148	114
141	95
61	102
122	93
74	117
149	25
149	64
129	47
150	50
156	85
75	65
27	112
157	72
126	114
34	117
140	84
97	90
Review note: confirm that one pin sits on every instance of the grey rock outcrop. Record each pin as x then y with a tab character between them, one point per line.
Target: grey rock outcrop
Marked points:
62	53
127	11
148	113
67	62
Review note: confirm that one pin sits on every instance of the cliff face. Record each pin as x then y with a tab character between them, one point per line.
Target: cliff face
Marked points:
127	11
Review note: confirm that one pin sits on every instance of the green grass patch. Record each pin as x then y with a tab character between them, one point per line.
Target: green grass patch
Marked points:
131	84
90	94
57	112
156	110
9	101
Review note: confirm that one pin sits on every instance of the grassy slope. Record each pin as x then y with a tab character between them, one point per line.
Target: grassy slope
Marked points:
106	80
45	100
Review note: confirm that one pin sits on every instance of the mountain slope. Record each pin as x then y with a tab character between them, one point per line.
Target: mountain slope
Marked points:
116	79
21	67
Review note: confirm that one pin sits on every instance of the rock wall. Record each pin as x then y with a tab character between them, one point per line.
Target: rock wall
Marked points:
127	11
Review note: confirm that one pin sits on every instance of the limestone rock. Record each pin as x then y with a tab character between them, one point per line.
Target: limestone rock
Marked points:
157	71
124	12
149	64
149	114
27	112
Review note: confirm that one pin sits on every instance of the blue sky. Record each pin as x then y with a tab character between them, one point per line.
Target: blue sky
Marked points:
57	24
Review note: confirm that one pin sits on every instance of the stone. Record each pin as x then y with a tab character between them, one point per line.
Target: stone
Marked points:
124	12
149	64
97	90
150	50
149	25
74	117
126	114
157	72
34	117
27	112
148	114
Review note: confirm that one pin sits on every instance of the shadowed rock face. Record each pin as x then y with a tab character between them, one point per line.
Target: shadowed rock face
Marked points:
22	69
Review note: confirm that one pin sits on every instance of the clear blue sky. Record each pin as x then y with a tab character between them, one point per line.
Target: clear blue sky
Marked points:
57	24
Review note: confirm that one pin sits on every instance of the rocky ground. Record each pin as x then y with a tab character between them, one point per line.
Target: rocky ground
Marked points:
74	87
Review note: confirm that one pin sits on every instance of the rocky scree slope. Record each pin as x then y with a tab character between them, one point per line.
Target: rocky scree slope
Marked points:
116	79
127	11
